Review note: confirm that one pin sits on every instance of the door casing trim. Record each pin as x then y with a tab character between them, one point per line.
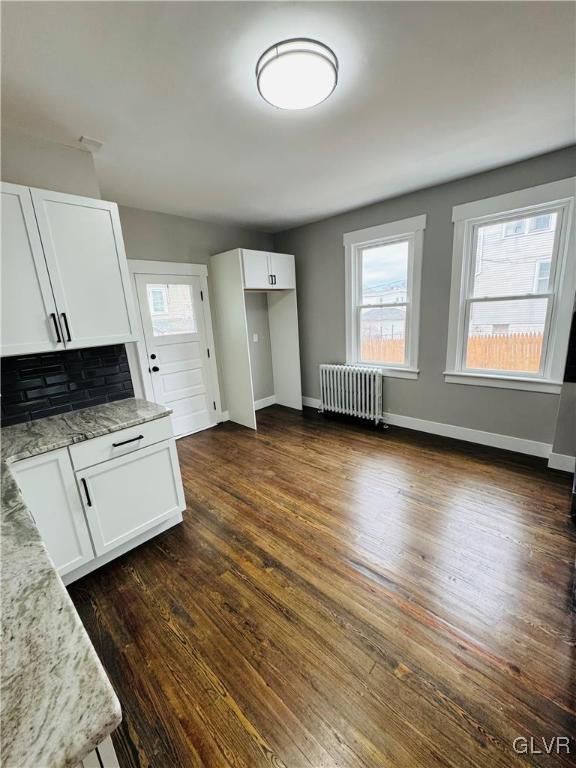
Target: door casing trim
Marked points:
136	351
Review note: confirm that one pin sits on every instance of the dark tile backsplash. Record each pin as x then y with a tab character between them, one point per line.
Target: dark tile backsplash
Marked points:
34	386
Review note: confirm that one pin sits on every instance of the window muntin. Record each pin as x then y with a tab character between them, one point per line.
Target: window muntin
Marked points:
507	309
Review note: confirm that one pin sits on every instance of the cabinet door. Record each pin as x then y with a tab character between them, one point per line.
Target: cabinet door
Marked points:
126	496
255	264
29	322
281	266
82	241
49	490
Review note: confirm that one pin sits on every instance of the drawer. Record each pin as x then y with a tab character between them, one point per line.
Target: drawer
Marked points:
119	443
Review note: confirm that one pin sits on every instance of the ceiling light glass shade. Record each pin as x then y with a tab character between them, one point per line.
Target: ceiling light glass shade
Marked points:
297	74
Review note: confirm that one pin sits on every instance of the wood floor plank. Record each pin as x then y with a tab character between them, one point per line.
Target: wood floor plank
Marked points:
342	596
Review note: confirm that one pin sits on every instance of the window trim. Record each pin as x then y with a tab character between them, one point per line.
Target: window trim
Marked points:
556	196
411	229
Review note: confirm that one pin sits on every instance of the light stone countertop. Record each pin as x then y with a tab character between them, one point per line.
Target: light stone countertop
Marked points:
56	701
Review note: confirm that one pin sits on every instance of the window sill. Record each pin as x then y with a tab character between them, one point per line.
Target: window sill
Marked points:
504	382
393	373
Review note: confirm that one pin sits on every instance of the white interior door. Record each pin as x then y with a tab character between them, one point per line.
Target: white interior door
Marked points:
177	349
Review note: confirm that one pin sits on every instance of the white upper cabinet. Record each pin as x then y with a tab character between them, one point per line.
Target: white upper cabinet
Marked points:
29	318
268	271
281	266
255	266
84	250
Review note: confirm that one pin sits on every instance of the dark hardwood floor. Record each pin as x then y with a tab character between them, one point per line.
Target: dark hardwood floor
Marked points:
341	596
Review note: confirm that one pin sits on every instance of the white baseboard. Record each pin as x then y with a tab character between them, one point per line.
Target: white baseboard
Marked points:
493	439
562	461
225	416
264	402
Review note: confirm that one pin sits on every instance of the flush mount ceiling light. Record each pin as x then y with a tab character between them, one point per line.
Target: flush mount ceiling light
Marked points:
297	73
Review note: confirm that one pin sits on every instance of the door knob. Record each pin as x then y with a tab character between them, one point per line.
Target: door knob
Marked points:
153	357
155	369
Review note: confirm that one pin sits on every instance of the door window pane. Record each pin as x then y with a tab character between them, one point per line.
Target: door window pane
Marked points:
507	254
506	335
171	309
383	335
385	273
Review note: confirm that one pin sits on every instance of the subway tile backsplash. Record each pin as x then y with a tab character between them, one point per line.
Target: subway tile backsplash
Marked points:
34	386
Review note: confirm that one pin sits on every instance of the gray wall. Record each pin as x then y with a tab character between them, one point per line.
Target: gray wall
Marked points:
36	162
261	350
320	275
565	437
163	237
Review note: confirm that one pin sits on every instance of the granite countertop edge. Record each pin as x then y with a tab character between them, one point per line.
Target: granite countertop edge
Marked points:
57	703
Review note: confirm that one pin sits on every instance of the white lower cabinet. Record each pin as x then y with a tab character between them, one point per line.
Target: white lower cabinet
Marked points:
126	496
49	489
88	517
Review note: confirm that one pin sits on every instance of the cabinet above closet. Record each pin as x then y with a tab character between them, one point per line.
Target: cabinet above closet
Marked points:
266	271
65	278
234	274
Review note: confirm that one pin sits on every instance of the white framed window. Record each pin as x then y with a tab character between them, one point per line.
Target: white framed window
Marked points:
542	275
515	228
383	275
510	321
540	223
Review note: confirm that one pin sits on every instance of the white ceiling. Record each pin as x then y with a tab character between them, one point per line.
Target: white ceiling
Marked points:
428	92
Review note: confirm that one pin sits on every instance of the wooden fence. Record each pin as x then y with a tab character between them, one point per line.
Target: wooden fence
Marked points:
507	352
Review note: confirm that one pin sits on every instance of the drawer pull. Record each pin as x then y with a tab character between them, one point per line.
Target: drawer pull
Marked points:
88	499
125	442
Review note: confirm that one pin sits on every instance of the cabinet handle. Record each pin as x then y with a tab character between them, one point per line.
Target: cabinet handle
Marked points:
273	279
56	327
66	326
270	280
125	442
85	484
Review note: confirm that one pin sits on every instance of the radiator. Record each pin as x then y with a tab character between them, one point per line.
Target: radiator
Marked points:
351	389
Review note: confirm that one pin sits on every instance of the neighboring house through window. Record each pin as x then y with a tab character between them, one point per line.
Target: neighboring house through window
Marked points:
510	321
383	271
158	299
